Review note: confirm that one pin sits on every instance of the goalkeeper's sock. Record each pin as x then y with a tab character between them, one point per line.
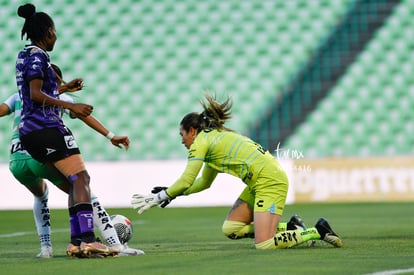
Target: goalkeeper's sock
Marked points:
281	227
103	222
84	212
41	216
238	230
289	238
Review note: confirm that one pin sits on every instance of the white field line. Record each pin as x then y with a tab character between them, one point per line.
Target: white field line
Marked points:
19	234
393	272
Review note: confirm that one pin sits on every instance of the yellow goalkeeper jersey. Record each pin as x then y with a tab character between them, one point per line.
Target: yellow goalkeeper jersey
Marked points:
221	152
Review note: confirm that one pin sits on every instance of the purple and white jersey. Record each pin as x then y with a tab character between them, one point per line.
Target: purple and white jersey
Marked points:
34	63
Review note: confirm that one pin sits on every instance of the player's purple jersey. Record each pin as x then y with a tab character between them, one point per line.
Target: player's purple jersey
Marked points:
34	63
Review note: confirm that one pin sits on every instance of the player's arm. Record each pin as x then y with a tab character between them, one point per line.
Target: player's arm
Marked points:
72	86
7	107
95	124
40	97
186	180
207	177
145	202
4	109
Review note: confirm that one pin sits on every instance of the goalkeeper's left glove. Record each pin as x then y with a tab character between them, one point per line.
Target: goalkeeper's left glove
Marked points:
158	189
145	202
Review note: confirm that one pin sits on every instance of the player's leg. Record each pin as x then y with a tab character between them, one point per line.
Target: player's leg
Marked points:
37	186
101	217
239	222
81	210
105	226
271	188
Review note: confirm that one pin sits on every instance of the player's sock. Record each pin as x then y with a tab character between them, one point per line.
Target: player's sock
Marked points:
84	212
104	223
75	233
238	230
281	227
41	216
289	238
310	234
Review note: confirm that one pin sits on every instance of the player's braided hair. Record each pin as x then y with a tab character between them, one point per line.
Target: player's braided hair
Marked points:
214	116
36	24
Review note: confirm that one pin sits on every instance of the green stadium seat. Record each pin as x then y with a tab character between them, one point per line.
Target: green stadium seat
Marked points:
146	61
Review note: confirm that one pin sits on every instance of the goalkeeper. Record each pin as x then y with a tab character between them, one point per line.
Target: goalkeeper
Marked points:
259	208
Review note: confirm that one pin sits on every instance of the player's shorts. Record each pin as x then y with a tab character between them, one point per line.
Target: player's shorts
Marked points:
30	172
50	144
269	190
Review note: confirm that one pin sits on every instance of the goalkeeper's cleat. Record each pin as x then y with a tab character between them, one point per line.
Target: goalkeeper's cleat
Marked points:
73	250
327	234
296	223
46	252
96	250
124	250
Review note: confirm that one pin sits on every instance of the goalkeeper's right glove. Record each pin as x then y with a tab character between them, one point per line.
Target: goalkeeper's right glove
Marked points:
145	202
158	189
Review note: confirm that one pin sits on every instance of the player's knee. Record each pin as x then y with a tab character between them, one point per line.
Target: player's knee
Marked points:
236	230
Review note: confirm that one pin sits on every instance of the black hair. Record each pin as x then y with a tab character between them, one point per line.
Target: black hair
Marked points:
57	70
214	116
36	25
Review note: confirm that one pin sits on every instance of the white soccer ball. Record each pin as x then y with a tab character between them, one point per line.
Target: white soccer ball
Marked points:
123	227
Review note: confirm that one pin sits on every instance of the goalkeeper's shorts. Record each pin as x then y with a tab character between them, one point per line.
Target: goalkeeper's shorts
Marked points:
269	190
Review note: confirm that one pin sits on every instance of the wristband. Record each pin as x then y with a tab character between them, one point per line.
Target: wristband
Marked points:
110	135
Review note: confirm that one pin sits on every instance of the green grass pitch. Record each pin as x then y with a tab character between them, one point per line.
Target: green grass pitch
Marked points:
377	237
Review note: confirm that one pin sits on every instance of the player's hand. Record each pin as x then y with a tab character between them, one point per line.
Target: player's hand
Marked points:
120	140
81	110
74	85
145	202
158	189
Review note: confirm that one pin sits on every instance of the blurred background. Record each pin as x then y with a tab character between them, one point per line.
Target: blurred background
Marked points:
309	79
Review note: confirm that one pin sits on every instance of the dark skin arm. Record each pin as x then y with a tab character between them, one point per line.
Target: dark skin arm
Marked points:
72	86
36	94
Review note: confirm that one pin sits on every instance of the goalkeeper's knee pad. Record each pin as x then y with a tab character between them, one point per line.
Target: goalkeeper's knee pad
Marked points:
237	230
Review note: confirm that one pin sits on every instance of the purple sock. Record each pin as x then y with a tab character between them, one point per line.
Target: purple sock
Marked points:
75	233
85	217
85	221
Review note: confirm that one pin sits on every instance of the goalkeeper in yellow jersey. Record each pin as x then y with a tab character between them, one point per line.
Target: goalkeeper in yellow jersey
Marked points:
258	210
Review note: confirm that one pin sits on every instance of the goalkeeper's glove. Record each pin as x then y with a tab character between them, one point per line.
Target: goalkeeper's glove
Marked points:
145	202
158	189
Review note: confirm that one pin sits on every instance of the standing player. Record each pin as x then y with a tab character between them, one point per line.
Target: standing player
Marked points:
43	133
221	150
31	173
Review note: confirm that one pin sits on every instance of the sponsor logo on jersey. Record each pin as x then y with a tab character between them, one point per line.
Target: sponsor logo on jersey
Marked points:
70	142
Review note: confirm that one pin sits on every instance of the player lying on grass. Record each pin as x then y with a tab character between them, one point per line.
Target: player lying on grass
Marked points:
222	150
32	173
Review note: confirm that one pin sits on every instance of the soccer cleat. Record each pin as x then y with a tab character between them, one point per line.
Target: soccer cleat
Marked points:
327	234
46	252
96	250
73	250
296	223
124	250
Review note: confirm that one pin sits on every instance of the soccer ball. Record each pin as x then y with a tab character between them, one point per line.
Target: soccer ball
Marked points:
123	227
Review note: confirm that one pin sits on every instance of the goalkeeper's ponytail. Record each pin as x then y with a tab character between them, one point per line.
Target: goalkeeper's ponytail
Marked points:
214	116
